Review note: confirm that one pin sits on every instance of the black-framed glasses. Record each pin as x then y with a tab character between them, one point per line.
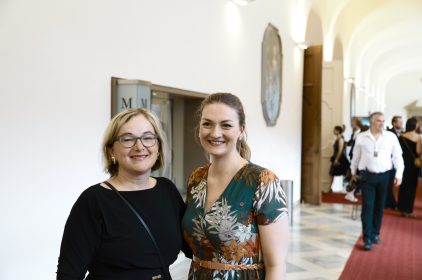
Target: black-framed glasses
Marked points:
129	140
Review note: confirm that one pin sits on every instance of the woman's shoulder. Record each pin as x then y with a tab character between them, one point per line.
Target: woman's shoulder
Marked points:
92	191
89	198
260	172
410	136
165	183
257	168
198	174
200	171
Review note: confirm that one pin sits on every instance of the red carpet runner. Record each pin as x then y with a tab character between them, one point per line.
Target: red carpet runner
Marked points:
399	256
338	198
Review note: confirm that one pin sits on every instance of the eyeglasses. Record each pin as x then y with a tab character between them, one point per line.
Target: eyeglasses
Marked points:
128	140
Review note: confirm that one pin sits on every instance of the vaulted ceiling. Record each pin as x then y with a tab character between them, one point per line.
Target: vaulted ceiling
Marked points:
379	42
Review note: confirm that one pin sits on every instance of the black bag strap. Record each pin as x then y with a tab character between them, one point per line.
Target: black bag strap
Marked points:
164	268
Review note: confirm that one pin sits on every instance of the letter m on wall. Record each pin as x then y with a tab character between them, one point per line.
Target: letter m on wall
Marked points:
126	104
127	94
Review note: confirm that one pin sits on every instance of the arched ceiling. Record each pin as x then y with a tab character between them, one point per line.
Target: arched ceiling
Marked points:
381	41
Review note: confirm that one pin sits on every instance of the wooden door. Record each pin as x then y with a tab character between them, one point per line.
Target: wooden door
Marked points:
311	126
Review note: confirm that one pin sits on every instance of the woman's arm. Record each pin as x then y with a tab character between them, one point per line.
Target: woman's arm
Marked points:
419	145
272	219
80	237
274	241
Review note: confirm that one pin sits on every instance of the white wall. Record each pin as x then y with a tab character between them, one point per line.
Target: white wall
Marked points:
400	92
57	58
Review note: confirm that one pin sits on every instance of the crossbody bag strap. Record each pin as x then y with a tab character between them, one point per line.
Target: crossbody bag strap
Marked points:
141	220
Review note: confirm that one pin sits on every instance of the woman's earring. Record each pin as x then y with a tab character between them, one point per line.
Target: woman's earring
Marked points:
113	159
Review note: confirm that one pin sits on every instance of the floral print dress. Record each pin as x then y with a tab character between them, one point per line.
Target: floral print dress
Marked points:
228	232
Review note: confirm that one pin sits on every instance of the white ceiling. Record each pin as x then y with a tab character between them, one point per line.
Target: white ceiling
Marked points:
379	41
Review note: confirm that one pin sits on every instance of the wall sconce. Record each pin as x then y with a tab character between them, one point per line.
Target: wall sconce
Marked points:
350	80
242	2
302	45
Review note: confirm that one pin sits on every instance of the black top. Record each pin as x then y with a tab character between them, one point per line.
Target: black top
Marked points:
394	131
104	237
409	154
344	164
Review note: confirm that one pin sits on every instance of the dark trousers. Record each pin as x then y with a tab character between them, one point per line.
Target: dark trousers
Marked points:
390	199
374	191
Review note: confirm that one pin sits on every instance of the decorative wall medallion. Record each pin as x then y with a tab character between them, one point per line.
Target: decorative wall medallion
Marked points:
271	74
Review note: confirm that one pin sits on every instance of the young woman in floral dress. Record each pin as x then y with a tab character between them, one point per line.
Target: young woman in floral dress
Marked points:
236	217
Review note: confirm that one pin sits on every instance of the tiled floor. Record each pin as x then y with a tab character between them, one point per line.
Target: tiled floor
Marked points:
321	240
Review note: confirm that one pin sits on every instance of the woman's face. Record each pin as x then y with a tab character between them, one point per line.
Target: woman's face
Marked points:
219	130
138	159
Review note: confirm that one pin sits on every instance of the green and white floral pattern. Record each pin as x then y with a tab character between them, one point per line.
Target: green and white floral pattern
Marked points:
228	232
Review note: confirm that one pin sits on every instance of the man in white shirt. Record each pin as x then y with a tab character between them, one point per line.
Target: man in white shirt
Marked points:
375	153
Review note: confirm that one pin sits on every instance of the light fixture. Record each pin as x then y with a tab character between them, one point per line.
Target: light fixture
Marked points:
350	80
242	2
302	45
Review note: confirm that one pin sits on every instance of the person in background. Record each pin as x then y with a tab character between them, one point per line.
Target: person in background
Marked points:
102	236
397	129
236	221
375	153
411	145
339	162
356	129
397	125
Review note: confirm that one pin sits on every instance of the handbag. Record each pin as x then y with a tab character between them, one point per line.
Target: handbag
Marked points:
351	186
164	269
417	159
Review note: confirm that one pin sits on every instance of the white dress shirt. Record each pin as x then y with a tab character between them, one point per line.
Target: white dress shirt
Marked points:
377	155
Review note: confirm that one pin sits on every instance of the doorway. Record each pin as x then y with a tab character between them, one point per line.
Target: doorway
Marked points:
176	109
311	126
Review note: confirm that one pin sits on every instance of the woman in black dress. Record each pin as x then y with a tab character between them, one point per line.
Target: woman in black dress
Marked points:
102	236
339	162
411	145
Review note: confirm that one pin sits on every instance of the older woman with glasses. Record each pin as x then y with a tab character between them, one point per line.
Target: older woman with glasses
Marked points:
102	235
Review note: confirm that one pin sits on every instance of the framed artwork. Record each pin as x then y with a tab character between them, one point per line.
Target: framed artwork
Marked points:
271	75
